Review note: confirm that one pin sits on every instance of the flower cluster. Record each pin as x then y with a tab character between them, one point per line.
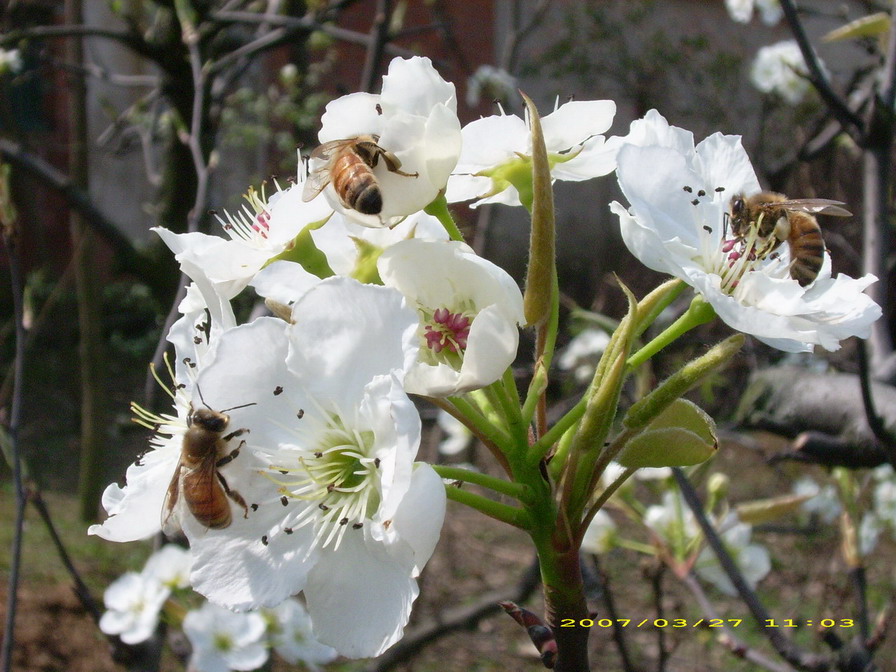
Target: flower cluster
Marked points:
290	460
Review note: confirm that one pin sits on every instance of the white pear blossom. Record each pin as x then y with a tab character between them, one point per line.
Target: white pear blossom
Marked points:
290	634
672	521
170	565
351	251
885	501
781	69
823	501
742	10
223	640
600	534
583	352
498	149
337	507
135	510
260	231
679	195
495	84
469	310
133	603
415	120
10	61
753	560
456	435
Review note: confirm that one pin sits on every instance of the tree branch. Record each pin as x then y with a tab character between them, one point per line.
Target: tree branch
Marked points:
817	76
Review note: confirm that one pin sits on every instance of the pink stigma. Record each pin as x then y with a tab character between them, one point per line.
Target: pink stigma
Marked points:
450	330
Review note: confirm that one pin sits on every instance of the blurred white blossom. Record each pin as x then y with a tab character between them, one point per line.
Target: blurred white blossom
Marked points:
493	84
224	640
824	502
781	70
170	565
600	534
133	603
456	436
742	10
292	638
583	352
10	61
753	560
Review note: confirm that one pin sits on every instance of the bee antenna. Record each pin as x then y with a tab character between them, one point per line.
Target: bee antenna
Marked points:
224	410
201	398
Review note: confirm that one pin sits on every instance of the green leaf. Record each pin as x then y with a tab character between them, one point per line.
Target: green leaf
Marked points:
541	271
682	435
872	25
764	510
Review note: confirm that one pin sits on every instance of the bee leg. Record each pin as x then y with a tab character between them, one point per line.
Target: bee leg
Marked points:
392	163
234	495
233	435
231	456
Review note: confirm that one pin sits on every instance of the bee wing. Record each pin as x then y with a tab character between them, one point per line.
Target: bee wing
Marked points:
319	177
816	206
317	181
170	522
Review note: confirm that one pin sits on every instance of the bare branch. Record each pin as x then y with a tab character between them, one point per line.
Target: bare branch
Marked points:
78	201
817	76
785	647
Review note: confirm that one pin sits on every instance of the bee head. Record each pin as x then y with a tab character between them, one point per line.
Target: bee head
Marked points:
739	216
208	419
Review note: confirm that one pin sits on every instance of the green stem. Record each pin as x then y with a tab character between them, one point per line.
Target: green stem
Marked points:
699	312
502	512
479	423
439	209
543	446
515	490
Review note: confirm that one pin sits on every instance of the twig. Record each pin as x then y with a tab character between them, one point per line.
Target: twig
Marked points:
515	37
618	631
785	647
875	422
308	23
656	581
726	636
15	421
379	37
79	201
817	76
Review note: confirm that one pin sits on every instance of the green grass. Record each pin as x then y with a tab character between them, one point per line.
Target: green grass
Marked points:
99	562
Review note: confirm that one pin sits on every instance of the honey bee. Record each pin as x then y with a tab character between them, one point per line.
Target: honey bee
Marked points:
196	477
349	167
775	219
